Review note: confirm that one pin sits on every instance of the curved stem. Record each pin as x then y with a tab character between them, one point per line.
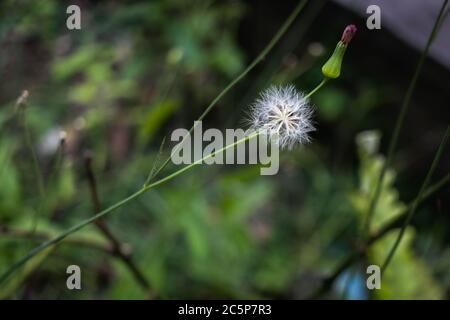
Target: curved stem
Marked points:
119	204
400	120
115	206
320	85
257	60
417	200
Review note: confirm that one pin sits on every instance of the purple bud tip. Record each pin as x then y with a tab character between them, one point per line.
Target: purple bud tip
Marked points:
349	33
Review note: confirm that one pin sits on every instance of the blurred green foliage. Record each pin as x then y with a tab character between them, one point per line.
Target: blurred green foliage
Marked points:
408	274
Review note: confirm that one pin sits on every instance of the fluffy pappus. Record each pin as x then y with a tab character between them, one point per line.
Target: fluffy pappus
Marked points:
285	114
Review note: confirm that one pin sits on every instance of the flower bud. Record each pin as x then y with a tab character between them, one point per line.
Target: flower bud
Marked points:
348	33
332	68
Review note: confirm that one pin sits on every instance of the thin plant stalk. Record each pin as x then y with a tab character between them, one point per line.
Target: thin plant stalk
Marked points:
416	202
288	22
325	80
115	206
117	246
130	198
399	123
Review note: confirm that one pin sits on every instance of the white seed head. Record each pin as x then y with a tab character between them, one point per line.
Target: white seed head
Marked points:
284	114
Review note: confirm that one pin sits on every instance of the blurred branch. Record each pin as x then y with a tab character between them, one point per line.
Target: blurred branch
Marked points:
40	235
119	250
393	224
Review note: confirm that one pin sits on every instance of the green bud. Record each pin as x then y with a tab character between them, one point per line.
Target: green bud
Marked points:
332	68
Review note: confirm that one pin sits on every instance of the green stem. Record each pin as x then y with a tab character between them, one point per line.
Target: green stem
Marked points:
417	200
320	85
257	60
400	120
117	205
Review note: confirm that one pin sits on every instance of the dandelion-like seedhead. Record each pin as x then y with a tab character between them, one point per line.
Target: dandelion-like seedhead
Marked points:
284	114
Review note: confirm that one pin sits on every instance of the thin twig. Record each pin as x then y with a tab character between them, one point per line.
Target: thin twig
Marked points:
118	248
399	123
416	202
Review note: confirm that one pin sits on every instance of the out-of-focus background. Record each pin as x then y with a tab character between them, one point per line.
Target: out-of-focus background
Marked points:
139	69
